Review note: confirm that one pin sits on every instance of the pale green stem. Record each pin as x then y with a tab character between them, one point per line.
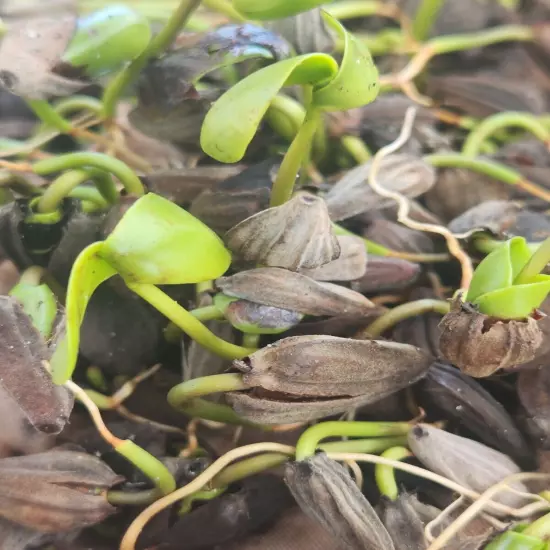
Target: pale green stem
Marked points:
49	116
385	475
425	17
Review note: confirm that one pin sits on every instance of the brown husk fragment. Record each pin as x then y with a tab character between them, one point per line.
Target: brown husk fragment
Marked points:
533	387
294	236
386	274
325	491
277	287
480	345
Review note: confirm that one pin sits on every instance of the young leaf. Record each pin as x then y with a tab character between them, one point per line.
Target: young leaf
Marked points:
356	83
106	39
233	120
157	242
274	9
89	271
39	304
515	302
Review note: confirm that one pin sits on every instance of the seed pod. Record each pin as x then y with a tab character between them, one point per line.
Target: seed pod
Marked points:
533	389
325	491
272	286
306	31
465	401
465	461
386	274
236	198
56	491
350	265
252	318
405	519
22	372
295	235
479	345
306	377
402	173
398	237
496	216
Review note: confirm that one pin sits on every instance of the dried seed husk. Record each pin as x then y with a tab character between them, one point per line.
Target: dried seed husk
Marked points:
29	52
444	200
55	491
325	491
23	374
295	235
465	461
236	198
350	265
495	216
277	287
398	237
307	377
467	403
403	173
252	318
306	31
386	274
533	387
405	519
480	345
184	185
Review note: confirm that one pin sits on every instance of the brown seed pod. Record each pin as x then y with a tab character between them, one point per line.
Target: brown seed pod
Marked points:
55	491
351	264
386	274
295	235
479	345
325	491
284	289
465	461
352	195
307	377
398	237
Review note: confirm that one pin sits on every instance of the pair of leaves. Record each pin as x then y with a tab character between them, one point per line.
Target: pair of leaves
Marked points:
155	242
234	119
501	285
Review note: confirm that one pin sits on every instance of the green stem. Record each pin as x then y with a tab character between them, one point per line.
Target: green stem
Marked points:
153	468
372	445
309	440
207	313
62	186
385	475
356	147
540	528
90	199
49	116
187	322
425	17
158	45
405	311
70	161
126	498
32	275
536	263
251	340
225	8
200	496
295	156
70	105
248	467
492	124
489	168
185	397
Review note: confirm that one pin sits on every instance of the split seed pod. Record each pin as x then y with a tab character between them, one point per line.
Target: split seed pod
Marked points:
352	195
303	378
55	491
325	491
272	286
295	235
22	372
479	345
465	461
351	265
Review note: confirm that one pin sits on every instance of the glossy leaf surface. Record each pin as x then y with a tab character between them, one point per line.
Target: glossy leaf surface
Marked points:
516	541
39	304
157	242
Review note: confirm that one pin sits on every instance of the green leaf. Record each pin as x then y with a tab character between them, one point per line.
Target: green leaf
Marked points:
520	254
232	121
356	83
157	242
39	304
516	541
88	272
493	272
264	10
107	39
514	302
